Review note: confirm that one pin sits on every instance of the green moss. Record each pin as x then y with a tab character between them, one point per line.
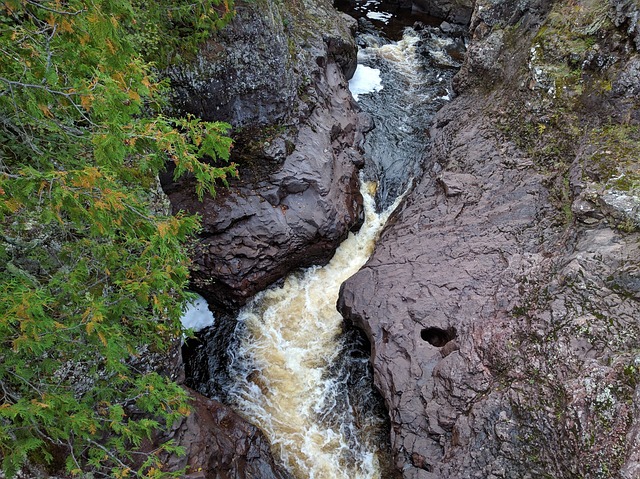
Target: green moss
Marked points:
627	225
569	37
562	129
614	161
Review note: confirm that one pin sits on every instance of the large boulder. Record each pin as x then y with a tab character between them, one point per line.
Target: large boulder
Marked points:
502	301
219	444
448	263
252	72
278	73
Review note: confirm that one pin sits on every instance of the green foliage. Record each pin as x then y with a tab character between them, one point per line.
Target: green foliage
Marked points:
172	29
92	272
614	159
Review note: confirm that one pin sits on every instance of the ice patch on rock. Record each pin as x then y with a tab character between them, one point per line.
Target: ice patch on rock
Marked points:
365	80
196	315
380	16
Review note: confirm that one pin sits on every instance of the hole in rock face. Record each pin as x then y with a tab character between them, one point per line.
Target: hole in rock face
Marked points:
438	337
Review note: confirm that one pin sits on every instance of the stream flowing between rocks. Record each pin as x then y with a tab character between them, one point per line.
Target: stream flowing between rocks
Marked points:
294	371
292	368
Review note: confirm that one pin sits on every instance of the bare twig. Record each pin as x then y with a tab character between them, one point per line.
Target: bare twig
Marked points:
53	10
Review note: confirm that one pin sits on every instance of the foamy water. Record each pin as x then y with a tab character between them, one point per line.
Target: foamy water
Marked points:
402	55
282	367
413	91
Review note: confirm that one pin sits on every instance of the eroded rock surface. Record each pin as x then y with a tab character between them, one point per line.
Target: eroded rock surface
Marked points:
219	444
282	78
502	300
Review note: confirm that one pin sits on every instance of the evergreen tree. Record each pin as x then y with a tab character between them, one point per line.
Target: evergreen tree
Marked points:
92	272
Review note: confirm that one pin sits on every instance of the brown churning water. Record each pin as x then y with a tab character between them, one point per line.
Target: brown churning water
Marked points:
282	366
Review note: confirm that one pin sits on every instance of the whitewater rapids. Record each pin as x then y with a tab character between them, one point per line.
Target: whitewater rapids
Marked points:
285	381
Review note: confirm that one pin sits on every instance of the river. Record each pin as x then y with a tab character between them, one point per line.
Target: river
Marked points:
284	367
294	371
416	63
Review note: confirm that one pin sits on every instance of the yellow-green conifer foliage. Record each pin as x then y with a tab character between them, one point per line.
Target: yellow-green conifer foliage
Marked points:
91	273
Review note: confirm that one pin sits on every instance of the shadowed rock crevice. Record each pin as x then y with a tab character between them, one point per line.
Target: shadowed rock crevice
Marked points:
438	337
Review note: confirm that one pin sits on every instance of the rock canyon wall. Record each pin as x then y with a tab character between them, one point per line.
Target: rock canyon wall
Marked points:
278	74
502	302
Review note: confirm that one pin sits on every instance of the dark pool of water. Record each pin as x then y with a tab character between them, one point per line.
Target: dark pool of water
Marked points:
387	18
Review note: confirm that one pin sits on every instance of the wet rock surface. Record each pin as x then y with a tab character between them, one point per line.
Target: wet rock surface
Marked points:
501	301
298	147
219	444
456	11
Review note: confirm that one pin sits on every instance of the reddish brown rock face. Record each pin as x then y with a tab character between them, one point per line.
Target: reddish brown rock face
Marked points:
219	444
298	150
503	314
255	232
449	263
524	296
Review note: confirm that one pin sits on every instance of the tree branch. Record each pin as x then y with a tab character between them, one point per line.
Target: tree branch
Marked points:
53	10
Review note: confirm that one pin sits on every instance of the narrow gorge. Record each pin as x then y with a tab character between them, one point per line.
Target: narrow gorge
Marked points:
494	330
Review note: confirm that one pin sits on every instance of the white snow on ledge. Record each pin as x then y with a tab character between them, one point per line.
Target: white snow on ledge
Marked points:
380	16
365	80
196	315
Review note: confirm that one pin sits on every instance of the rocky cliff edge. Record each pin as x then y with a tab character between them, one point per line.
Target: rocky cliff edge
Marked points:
502	301
278	73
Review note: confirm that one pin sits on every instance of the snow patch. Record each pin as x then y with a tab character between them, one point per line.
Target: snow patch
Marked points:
380	16
365	80
369	4
196	315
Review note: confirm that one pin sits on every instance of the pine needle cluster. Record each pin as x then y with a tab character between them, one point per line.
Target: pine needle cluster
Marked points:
92	272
